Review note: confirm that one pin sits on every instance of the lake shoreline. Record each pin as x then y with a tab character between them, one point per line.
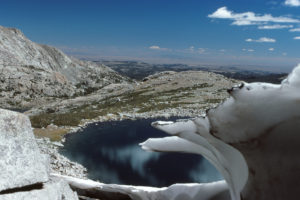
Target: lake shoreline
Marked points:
63	165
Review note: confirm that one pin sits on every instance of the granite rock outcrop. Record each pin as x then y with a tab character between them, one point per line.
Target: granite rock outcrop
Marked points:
24	169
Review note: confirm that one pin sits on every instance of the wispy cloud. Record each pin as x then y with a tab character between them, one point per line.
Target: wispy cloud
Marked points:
191	49
249	18
249	50
275	26
201	50
293	3
262	39
295	30
154	47
297	38
272	3
271	49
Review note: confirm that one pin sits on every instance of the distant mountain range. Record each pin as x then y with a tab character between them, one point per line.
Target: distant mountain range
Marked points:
139	70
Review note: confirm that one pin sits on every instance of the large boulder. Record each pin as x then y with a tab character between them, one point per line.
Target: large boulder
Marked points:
21	162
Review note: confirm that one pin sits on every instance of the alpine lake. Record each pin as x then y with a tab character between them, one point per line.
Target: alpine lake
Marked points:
111	153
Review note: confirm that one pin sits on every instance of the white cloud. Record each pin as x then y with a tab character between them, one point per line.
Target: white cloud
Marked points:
249	18
262	39
295	30
292	3
271	49
297	38
275	26
154	47
244	23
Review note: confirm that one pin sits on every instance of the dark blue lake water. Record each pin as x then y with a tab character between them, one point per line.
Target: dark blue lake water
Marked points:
111	153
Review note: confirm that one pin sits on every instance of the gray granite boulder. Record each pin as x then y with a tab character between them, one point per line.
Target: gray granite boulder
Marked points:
21	162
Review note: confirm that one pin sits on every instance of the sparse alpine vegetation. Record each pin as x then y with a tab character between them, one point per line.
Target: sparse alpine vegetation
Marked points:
176	93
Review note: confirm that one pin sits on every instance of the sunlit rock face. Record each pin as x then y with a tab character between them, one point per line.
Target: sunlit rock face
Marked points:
30	72
21	162
252	138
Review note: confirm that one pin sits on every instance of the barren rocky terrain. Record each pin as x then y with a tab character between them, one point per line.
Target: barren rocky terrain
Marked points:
166	94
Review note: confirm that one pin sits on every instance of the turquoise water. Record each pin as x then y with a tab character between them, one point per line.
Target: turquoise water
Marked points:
111	153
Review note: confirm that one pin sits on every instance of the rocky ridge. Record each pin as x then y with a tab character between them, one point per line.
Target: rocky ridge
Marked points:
31	73
164	94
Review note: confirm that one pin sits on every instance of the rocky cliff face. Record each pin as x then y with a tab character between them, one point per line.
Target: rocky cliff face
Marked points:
31	73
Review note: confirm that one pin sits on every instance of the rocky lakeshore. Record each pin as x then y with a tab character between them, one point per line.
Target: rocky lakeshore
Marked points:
59	164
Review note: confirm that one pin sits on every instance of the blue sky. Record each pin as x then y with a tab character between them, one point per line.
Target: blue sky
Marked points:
218	32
